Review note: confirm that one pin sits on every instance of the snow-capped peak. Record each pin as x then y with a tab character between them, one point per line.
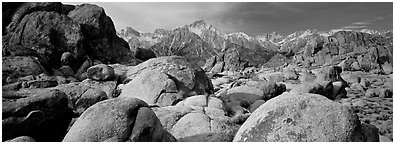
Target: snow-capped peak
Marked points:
200	26
198	23
240	35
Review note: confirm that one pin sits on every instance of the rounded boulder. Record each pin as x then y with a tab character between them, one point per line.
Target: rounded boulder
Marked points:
118	120
101	72
300	118
188	78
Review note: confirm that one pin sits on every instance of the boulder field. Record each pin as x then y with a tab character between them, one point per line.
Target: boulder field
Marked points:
68	76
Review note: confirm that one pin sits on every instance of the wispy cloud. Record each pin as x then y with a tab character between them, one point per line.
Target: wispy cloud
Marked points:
354	27
361	23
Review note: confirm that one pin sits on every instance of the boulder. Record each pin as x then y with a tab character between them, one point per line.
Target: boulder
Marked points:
359	103
118	120
210	63
188	78
272	76
355	66
218	68
40	84
307	117
357	86
26	8
384	139
65	9
51	39
353	77
89	98
256	105
385	93
109	87
101	72
364	63
19	66
101	42
12	87
365	83
153	87
67	71
371	93
120	72
239	99
144	54
243	93
387	68
347	64
8	10
81	96
81	72
68	59
370	132
314	88
203	101
219	81
290	74
196	123
270	89
42	114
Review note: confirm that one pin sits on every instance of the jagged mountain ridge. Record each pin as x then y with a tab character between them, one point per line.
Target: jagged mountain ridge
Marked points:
201	41
197	41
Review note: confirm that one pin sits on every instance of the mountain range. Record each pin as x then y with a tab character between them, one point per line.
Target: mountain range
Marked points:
200	42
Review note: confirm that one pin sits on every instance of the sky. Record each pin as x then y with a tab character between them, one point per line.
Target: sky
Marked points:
252	18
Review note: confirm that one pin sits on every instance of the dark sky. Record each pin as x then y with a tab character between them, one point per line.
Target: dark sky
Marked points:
251	17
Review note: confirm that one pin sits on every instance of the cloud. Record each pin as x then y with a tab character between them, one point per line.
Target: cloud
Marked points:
361	23
354	27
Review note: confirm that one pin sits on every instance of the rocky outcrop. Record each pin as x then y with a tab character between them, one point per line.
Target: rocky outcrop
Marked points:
118	120
351	49
101	41
69	37
306	117
235	57
51	39
14	16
